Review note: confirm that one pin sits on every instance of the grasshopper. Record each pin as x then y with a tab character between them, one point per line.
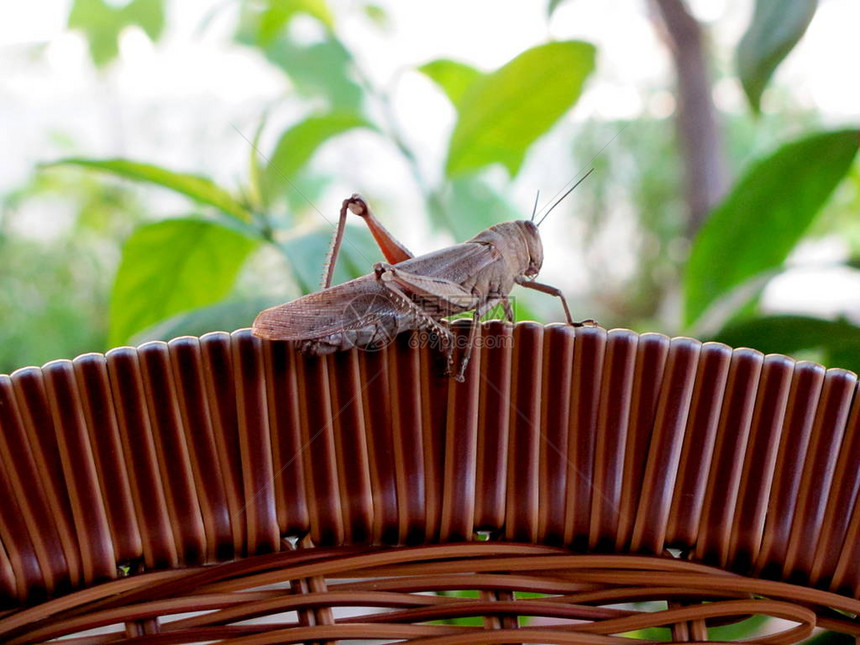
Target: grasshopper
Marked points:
413	293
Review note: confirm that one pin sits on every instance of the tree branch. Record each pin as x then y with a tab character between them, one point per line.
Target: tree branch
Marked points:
699	131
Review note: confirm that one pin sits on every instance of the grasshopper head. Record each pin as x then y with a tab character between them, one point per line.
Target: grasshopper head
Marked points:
533	248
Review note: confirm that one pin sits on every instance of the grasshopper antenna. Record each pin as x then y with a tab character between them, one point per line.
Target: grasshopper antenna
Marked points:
534	208
561	199
596	155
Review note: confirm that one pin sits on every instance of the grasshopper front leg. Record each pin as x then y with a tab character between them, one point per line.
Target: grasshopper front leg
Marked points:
552	291
509	311
444	292
447	295
480	310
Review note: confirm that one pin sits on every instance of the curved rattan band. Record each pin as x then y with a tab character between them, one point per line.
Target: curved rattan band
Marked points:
198	451
572	588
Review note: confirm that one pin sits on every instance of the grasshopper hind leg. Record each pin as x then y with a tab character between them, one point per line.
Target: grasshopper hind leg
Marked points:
422	319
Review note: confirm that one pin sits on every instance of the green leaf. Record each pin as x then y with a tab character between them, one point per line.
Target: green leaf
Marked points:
53	298
310	189
470	206
737	631
272	20
319	9
552	6
146	14
257	195
775	29
453	77
504	112
223	316
173	266
846	356
198	188
377	15
792	334
102	24
764	216
263	23
322	69
298	144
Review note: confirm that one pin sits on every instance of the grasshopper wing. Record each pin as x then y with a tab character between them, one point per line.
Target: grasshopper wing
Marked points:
353	305
455	264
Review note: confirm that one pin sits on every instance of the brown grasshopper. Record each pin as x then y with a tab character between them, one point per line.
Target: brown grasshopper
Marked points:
411	293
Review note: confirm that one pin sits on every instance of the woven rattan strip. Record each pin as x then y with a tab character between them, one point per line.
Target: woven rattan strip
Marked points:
325	497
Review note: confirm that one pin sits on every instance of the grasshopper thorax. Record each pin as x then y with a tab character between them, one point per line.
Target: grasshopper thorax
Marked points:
519	243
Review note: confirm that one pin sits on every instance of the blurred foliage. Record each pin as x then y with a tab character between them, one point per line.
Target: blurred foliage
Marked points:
837	340
452	77
615	149
54	290
297	145
500	115
102	23
775	29
319	70
173	266
730	632
200	259
54	301
197	188
765	215
831	638
739	630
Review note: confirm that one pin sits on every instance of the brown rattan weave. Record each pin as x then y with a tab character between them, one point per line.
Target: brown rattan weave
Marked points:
223	487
